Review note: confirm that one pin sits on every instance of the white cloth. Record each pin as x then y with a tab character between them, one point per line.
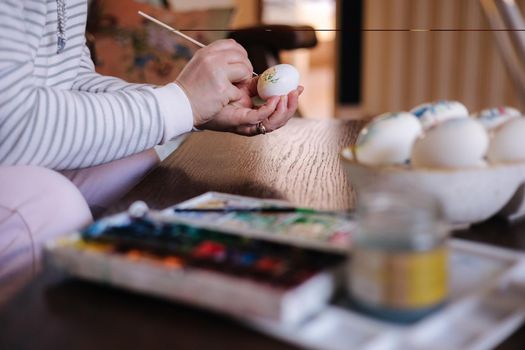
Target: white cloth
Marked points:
57	112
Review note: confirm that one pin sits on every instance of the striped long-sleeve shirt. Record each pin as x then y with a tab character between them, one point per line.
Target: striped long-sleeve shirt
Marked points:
56	111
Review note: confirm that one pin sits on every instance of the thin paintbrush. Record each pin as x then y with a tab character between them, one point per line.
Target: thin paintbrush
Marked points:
261	210
175	31
171	29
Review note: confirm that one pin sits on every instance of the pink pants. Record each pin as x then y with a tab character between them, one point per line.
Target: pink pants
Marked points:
37	204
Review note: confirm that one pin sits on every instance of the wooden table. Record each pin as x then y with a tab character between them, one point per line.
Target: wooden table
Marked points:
298	163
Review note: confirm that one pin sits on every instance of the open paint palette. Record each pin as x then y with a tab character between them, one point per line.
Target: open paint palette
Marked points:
279	273
228	273
319	231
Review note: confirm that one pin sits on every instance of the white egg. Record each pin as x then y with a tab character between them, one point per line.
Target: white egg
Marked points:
388	139
431	114
494	117
278	80
455	143
508	142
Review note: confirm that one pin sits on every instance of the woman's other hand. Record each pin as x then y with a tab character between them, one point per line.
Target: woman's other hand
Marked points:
242	117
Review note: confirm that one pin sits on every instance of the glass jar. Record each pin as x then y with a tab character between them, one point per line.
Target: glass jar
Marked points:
399	259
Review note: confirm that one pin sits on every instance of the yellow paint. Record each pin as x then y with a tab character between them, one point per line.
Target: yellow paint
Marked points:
401	280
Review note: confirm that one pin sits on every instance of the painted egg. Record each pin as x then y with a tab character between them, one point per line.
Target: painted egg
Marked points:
494	117
388	139
278	80
455	143
431	114
508	142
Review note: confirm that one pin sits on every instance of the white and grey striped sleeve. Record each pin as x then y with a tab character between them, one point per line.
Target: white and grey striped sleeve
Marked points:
89	80
173	102
69	129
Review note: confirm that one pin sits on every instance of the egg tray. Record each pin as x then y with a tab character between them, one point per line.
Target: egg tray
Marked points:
468	196
486	304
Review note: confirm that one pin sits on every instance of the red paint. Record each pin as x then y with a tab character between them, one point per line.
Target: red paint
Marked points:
209	250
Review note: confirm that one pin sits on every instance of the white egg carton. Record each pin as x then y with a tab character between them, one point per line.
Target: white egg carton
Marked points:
486	304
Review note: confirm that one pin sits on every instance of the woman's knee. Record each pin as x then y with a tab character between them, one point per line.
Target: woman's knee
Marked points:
46	202
36	204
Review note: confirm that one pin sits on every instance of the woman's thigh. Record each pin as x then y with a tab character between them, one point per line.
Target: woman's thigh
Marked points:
104	184
36	204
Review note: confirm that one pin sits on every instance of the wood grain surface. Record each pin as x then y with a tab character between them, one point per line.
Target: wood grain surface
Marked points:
299	163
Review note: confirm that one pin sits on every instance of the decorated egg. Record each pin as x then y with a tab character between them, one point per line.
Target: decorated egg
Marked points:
494	117
278	80
508	142
430	114
455	143
388	139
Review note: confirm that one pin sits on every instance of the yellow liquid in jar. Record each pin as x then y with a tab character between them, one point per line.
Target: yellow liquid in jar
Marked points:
399	279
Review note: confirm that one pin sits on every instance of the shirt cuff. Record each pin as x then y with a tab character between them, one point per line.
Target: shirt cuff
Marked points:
176	110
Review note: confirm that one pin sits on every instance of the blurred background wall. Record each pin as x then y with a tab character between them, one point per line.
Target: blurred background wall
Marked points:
402	69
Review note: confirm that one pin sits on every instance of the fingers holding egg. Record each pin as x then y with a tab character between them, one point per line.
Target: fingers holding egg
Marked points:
279	117
285	110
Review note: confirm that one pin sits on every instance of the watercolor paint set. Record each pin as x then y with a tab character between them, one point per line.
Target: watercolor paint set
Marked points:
228	273
263	219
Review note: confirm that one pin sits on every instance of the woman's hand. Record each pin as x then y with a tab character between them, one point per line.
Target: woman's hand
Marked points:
242	118
209	78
